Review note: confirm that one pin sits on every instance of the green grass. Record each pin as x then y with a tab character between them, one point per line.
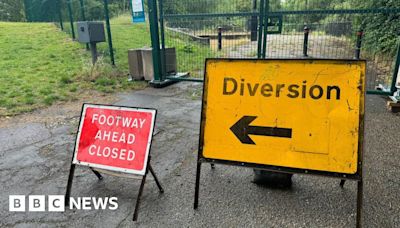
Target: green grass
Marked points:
38	65
190	55
41	65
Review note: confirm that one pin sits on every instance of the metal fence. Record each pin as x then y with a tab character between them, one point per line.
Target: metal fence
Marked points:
236	29
201	29
66	13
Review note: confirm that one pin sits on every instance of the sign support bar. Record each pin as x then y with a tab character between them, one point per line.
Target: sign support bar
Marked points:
342	181
149	168
100	177
359	203
197	187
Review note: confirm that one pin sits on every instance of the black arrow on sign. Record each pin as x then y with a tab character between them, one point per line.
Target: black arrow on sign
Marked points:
242	130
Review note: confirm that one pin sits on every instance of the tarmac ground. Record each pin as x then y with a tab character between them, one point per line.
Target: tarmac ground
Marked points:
35	160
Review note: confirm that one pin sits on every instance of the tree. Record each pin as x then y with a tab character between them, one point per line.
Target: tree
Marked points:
12	10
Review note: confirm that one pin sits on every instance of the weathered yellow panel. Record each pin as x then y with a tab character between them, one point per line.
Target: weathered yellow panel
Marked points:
292	113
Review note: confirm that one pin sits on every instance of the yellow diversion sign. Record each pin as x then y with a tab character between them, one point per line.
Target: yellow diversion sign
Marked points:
304	114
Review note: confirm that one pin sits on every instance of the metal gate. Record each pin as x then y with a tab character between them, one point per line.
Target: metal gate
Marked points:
199	29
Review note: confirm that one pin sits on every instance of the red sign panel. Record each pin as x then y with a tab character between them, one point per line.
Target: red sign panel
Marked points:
114	138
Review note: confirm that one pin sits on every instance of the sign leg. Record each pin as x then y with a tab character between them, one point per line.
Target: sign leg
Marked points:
135	214
212	165
156	179
359	202
98	175
69	184
196	190
342	183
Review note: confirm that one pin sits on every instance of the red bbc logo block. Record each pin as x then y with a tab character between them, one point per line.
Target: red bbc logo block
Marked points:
114	138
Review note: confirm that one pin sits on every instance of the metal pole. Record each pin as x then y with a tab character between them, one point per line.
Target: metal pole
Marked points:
396	68
135	214
219	38
98	175
82	10
160	188
109	38
359	203
260	28
155	41
305	43
71	20
358	44
83	16
69	184
253	23
60	15
27	11
264	52
93	49
163	53
197	187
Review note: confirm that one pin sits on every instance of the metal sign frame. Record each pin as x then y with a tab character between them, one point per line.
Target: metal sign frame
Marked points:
111	168
356	177
117	171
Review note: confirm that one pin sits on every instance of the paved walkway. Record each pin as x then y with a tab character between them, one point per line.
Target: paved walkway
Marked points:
35	158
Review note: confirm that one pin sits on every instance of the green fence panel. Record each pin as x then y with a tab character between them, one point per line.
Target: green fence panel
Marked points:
333	31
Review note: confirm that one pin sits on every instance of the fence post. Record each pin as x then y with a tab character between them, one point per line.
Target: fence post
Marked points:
71	20
109	38
396	67
155	40
253	23
266	9
83	16
260	28
82	10
60	15
162	52
305	43
27	10
358	43
219	38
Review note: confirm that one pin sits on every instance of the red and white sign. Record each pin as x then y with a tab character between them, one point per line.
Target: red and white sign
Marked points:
115	138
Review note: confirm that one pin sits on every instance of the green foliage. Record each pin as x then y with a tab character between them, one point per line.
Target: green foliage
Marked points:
381	30
65	79
12	10
193	6
188	48
48	10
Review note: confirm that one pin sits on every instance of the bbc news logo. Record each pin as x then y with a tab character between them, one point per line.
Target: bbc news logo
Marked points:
56	203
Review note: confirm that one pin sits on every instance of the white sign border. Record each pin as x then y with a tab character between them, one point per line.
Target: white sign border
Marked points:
137	10
111	168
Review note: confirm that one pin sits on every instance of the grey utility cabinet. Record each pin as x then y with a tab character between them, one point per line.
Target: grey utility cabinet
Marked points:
91	32
140	63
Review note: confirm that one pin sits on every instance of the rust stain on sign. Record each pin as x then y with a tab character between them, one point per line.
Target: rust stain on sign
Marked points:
292	113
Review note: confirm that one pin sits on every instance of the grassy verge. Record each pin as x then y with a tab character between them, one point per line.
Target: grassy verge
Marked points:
190	55
40	64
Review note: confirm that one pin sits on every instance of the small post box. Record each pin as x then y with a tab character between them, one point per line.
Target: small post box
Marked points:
91	32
